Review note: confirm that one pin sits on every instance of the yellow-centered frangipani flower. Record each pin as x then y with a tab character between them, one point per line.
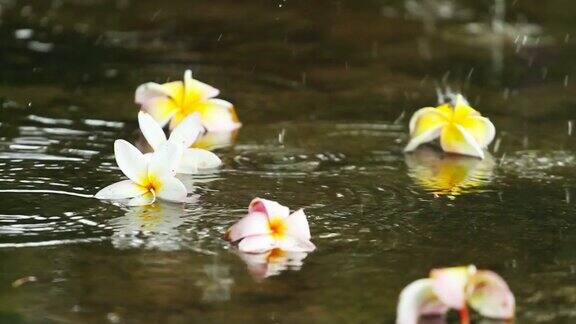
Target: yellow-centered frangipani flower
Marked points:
174	101
461	129
149	177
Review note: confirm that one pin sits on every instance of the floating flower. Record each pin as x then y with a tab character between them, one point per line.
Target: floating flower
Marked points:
215	140
461	129
272	263
448	174
149	176
270	225
455	288
174	101
184	135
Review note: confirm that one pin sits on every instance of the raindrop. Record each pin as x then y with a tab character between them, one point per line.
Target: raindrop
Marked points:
25	33
40	46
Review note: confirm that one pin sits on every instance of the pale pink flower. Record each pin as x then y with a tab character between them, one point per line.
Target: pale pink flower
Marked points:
456	288
270	225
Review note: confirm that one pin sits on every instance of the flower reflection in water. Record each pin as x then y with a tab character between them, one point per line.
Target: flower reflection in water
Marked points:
272	263
154	226
216	287
447	174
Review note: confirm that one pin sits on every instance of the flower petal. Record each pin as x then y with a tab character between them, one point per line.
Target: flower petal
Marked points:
449	285
250	225
187	130
130	161
463	110
149	91
481	128
418	299
297	225
268	207
455	139
151	130
257	244
172	189
174	90
490	296
425	119
218	115
146	199
214	140
196	90
165	161
293	244
198	159
121	190
162	109
424	137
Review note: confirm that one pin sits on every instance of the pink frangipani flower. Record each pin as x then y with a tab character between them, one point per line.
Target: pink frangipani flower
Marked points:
456	288
270	225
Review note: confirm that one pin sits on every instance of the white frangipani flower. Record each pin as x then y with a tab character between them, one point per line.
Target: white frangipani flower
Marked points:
150	176
183	135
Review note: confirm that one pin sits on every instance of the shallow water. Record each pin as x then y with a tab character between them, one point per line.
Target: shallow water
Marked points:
324	90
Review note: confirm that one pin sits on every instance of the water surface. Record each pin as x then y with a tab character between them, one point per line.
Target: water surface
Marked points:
324	90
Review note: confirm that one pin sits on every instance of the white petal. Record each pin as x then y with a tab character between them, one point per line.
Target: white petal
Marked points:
219	116
148	91
250	225
172	189
165	161
297	225
490	296
121	190
187	130
257	244
293	244
425	137
449	285
151	130
268	207
130	161
194	160
198	89
490	131
146	199
418	299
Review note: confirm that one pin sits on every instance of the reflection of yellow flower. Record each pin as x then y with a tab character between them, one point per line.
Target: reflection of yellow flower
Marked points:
147	218
151	226
446	174
461	129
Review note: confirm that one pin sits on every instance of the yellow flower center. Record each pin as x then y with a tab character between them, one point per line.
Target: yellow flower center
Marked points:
152	183
456	114
277	227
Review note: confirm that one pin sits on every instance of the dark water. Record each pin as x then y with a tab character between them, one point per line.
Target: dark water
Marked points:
325	89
